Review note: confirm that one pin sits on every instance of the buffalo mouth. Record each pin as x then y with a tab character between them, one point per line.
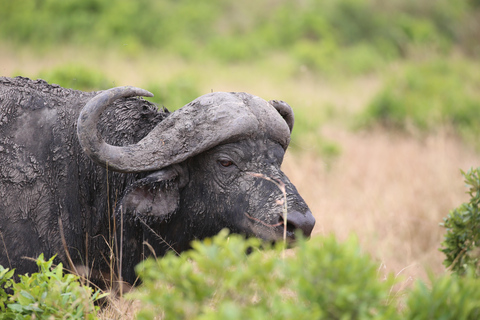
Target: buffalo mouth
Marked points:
287	229
296	221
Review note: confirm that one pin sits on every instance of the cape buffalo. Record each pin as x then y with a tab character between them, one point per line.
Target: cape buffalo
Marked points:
94	175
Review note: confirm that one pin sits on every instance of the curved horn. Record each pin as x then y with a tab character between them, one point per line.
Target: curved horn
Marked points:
90	140
285	111
210	120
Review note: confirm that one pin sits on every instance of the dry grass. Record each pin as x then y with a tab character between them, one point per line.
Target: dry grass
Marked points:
119	308
391	191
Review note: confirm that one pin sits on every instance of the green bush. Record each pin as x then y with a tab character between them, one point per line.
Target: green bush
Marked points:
230	277
218	280
331	60
233	31
5	282
427	95
462	240
448	297
174	93
307	135
321	279
48	294
76	76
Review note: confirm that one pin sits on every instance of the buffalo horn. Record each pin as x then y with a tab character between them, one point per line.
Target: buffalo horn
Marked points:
207	121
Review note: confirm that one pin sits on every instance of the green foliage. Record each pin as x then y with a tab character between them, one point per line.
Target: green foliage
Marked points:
218	280
48	294
321	279
5	282
339	280
314	32
175	93
76	76
450	297
307	136
427	95
462	240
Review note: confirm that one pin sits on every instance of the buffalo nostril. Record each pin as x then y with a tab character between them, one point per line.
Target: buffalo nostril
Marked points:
302	221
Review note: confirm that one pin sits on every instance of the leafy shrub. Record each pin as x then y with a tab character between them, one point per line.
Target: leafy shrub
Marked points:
462	240
5	282
234	49
175	93
427	95
218	280
232	30
321	279
331	60
317	56
449	297
307	135
47	294
76	76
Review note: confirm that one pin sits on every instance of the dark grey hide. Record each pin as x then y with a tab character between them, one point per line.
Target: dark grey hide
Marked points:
121	173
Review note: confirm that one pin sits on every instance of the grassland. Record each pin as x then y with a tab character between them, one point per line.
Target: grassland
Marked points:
389	184
391	189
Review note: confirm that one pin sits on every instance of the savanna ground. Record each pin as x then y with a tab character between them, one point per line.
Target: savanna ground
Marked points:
388	186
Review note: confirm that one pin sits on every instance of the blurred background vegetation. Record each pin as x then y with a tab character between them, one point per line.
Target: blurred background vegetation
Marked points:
386	93
423	53
310	31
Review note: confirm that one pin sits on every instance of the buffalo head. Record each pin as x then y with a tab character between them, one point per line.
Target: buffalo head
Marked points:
213	164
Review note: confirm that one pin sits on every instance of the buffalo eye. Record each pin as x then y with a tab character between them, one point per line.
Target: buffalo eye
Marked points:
225	163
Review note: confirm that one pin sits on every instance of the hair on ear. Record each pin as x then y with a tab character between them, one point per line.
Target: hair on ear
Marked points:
155	197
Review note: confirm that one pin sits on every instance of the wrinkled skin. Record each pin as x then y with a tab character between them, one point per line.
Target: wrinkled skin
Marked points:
45	178
239	188
48	185
237	199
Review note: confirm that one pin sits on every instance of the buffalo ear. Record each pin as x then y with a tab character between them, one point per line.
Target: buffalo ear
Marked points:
285	111
156	196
